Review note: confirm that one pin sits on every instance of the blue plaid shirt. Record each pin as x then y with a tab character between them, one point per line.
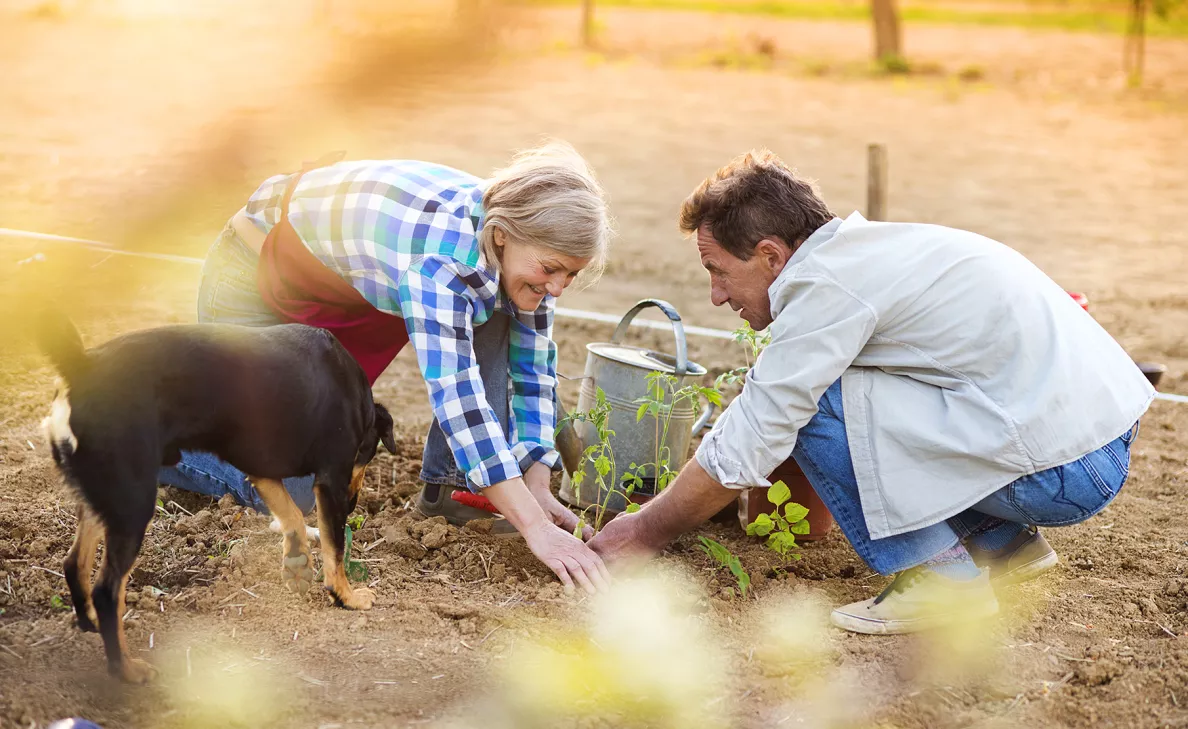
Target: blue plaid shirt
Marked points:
404	234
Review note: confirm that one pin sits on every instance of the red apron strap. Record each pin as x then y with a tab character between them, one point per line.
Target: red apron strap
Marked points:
299	288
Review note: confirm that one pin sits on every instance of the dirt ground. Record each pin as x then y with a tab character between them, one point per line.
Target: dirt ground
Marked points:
106	117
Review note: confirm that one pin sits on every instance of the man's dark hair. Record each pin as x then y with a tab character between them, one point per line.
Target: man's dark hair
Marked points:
755	196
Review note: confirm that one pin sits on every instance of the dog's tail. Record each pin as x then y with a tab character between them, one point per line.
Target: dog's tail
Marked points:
57	337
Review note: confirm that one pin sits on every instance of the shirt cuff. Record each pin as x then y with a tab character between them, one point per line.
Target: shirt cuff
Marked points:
723	469
527	454
497	468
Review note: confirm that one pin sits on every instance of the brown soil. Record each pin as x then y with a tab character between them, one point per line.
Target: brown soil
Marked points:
1089	185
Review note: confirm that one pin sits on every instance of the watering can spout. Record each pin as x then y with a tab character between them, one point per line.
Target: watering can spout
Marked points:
569	444
703	419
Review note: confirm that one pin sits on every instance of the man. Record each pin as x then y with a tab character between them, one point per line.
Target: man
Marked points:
943	396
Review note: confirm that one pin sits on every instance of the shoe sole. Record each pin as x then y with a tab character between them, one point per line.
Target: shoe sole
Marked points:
1028	571
867	626
460	515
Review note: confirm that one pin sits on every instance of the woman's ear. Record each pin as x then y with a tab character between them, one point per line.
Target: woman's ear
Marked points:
500	237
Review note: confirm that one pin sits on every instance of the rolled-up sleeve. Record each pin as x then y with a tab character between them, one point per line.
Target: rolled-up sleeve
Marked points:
437	304
820	329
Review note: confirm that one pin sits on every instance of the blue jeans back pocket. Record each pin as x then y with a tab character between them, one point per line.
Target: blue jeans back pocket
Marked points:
228	293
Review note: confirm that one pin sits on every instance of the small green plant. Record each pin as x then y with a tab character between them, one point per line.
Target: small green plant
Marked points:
753	343
725	558
57	603
662	399
222	548
599	454
894	63
356	521
356	571
781	528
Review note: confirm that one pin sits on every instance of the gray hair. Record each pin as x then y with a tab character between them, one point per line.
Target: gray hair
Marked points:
549	197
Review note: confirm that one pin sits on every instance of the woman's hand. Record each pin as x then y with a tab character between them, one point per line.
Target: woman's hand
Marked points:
537	479
566	555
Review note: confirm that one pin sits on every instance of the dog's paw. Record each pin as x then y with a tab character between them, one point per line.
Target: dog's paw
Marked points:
136	671
297	568
88	622
359	598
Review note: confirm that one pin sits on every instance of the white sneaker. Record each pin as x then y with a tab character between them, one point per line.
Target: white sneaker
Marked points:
311	533
919	599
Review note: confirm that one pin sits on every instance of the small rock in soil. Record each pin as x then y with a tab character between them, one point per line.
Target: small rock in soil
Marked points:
1098	673
395	532
407	488
454	611
203	520
436	536
407	548
1149	608
480	526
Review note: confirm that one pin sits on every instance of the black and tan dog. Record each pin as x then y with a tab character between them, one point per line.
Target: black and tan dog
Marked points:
274	402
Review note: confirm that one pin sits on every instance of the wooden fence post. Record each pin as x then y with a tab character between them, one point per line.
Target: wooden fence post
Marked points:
587	23
876	182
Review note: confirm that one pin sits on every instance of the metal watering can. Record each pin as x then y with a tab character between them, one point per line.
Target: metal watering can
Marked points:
622	371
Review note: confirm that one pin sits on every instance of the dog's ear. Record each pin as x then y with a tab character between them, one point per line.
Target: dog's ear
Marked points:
383	426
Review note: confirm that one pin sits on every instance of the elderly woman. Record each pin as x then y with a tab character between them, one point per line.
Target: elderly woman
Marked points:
384	253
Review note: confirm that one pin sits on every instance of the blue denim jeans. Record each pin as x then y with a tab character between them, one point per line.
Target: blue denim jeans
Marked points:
1057	496
228	294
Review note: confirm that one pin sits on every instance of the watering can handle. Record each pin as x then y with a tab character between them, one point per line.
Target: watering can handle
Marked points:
678	329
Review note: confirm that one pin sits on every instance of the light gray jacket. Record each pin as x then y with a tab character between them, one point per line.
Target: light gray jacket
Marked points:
963	368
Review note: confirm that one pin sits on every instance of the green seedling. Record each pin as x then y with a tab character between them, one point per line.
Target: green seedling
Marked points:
782	525
725	558
356	571
356	521
222	548
600	455
753	343
662	398
57	603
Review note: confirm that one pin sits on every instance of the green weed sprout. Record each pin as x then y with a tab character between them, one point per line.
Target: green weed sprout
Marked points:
724	557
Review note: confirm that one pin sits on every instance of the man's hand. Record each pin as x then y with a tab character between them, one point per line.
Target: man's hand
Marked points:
623	540
689	500
537	479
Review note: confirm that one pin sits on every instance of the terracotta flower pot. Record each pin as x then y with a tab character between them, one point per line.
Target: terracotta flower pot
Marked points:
753	502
